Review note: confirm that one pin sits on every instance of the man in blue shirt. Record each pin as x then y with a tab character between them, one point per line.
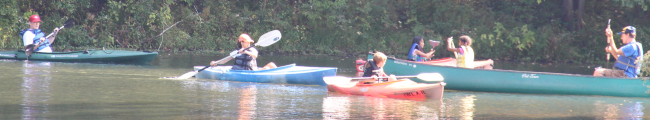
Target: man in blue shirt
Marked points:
627	57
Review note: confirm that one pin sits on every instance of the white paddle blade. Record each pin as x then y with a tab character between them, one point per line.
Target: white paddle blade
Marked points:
269	38
187	75
336	80
431	77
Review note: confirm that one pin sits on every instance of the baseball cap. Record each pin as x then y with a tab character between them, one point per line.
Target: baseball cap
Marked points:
34	18
628	29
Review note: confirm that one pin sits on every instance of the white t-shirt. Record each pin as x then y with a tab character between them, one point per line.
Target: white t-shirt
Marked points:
28	38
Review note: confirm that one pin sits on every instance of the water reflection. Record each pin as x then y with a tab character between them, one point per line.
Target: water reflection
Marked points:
247	101
339	106
239	100
35	89
336	108
630	110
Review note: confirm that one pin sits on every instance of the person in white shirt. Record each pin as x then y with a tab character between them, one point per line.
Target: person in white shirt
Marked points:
35	36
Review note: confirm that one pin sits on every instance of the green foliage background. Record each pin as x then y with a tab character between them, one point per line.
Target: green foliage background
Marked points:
520	30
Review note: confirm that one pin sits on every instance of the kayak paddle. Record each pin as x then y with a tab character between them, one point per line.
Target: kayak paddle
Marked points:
265	40
30	48
429	77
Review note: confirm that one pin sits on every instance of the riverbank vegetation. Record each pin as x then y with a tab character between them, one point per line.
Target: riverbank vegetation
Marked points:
518	30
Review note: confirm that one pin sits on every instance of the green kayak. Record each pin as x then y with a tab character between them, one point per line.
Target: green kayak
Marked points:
93	56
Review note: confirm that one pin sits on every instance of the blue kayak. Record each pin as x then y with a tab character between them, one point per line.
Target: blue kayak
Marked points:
288	74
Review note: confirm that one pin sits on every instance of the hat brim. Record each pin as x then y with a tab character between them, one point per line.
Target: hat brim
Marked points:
619	33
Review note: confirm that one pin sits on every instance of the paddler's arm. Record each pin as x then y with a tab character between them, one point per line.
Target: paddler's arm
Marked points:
51	39
611	48
425	55
252	54
450	42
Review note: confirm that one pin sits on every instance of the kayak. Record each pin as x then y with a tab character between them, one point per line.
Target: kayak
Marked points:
95	56
401	89
288	74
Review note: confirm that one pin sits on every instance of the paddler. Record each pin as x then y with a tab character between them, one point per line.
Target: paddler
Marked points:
374	69
627	57
247	59
416	52
465	52
34	35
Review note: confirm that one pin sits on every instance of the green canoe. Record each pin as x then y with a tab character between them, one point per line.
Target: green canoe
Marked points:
511	81
94	56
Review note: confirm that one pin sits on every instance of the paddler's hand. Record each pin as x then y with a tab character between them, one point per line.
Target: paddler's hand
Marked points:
374	77
213	63
42	38
56	30
242	51
607	49
609	34
392	77
450	40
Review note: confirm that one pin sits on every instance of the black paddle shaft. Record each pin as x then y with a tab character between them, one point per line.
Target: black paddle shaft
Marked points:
206	67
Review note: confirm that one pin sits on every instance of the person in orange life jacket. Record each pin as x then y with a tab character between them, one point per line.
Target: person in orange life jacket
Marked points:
627	57
466	54
247	59
374	69
34	35
416	53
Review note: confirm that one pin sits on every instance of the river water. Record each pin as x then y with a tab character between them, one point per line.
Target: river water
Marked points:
54	90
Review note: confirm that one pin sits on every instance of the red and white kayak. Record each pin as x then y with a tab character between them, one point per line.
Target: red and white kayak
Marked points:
401	89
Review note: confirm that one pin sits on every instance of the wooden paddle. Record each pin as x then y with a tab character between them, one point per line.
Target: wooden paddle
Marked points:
30	48
265	40
429	77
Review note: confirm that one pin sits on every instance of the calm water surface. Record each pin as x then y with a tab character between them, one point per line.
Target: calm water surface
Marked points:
53	90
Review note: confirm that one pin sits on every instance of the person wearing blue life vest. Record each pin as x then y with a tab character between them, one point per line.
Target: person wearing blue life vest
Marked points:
34	35
627	57
416	51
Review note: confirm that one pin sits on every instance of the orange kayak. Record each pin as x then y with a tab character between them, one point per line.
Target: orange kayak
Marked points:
401	89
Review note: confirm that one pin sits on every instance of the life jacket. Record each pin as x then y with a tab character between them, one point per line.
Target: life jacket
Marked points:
372	69
629	64
37	38
466	59
243	62
415	57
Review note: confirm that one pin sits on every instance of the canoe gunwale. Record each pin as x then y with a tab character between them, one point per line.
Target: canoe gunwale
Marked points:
514	71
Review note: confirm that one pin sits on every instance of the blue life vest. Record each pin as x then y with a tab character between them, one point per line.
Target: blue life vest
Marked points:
37	38
629	64
413	56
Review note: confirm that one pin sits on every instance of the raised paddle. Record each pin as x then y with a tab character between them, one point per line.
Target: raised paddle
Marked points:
608	20
265	40
453	46
429	77
30	48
